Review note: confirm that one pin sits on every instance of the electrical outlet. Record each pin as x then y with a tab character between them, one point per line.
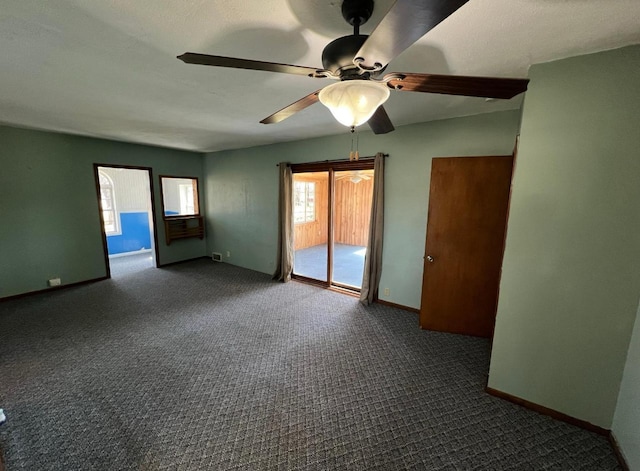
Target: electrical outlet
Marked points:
55	282
228	254
387	291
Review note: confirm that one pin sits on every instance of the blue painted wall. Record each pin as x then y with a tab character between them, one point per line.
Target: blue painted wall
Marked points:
135	234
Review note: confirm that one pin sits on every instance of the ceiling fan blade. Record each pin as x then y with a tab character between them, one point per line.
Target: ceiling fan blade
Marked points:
404	24
380	122
235	63
291	109
488	87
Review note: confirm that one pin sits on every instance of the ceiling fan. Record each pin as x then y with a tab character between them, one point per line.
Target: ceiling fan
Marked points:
355	176
358	62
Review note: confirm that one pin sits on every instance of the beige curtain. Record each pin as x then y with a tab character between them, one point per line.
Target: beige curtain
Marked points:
373	257
284	266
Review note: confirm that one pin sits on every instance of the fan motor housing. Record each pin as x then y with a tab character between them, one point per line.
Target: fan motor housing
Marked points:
338	55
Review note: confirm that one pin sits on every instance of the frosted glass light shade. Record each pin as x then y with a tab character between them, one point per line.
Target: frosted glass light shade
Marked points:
353	102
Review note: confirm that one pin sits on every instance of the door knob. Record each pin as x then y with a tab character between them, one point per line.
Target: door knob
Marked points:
429	259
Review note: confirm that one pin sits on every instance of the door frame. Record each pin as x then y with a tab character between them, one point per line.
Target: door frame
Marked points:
331	167
103	232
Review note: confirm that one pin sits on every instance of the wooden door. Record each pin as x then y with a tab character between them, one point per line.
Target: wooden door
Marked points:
468	206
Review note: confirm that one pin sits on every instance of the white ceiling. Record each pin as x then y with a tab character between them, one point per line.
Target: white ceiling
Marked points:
107	68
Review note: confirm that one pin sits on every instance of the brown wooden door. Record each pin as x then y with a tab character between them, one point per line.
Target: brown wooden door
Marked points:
468	205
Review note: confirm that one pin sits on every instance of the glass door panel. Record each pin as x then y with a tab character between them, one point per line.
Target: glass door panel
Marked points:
311	224
353	191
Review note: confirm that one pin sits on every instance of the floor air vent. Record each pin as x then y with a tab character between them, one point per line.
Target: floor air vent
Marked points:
216	257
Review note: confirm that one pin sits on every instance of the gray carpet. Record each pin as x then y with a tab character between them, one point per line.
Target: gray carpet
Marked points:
348	263
128	264
208	366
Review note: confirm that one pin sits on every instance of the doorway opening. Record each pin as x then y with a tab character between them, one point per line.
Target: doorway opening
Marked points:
331	215
125	196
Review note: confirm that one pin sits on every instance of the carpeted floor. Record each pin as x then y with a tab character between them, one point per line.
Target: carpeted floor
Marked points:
348	263
130	264
206	366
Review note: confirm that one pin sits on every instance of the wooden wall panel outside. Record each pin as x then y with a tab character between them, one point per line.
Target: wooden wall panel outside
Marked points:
351	217
352	211
308	234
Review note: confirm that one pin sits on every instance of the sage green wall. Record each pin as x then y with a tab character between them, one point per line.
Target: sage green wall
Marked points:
571	273
626	422
242	191
49	217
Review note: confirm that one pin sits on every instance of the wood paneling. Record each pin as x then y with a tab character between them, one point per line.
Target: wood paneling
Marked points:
351	216
352	210
308	234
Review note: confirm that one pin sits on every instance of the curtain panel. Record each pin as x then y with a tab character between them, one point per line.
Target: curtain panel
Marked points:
373	257
284	266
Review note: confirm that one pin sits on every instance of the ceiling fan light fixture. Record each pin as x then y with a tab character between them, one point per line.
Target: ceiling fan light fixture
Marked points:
353	102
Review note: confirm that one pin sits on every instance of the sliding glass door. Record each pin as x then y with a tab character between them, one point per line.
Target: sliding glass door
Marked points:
353	191
331	212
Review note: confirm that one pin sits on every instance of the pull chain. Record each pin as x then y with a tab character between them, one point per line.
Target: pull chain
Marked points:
352	154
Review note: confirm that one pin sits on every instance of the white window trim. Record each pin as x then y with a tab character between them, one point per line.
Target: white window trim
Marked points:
306	192
116	215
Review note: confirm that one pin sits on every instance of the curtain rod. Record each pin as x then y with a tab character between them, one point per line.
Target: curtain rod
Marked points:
370	157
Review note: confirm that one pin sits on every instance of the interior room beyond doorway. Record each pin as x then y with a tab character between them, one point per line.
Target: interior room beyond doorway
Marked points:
126	209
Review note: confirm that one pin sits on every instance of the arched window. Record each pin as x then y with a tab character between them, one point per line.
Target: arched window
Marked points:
108	205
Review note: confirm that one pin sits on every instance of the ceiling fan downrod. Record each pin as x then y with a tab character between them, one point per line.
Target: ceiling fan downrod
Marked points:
338	55
357	12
